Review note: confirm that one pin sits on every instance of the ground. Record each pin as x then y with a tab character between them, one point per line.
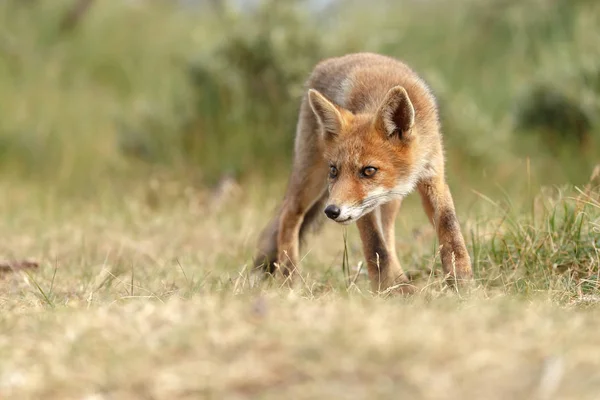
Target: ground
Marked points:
148	294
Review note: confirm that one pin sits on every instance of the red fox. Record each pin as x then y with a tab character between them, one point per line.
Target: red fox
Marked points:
368	134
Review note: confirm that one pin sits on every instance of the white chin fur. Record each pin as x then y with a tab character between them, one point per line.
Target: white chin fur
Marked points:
349	215
372	201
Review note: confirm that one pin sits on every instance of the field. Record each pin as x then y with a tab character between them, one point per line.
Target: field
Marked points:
144	146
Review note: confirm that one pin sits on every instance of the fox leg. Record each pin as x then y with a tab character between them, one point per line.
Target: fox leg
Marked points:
305	189
377	236
307	185
439	207
388	213
279	242
266	255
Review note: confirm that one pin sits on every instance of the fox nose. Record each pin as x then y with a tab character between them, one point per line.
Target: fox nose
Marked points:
332	211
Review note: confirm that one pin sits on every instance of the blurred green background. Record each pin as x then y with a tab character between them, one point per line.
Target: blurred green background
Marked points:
116	91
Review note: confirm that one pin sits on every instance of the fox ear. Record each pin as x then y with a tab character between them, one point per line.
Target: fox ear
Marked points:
396	115
328	114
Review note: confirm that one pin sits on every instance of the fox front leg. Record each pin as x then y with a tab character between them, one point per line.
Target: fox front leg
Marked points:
379	250
439	206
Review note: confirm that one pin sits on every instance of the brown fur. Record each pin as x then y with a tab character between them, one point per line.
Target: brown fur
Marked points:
360	110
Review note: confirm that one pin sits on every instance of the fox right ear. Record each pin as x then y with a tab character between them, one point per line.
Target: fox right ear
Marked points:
396	115
328	114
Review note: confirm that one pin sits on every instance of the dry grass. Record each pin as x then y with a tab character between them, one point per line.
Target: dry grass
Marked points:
147	295
281	345
143	290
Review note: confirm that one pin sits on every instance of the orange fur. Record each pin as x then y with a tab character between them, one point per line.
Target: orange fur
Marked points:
366	110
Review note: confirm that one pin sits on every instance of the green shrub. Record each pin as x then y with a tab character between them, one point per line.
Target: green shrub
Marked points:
248	89
560	118
153	84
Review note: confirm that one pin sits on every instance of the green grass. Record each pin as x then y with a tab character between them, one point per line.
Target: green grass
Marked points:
117	139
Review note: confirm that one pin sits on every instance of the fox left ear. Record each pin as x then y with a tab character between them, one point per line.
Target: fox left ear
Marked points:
328	114
396	115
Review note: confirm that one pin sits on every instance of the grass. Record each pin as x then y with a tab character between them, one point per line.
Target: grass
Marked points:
142	152
285	345
150	296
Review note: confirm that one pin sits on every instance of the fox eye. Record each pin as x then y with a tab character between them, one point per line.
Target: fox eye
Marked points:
368	171
333	172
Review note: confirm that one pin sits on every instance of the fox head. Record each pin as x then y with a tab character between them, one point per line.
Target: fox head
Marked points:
370	155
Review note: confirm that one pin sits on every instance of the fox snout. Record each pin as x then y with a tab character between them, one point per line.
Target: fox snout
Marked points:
343	214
